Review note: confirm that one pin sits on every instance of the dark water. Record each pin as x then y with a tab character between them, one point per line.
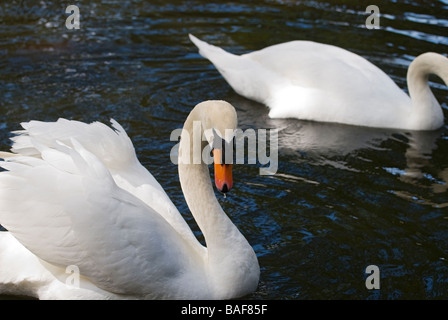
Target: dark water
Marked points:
343	197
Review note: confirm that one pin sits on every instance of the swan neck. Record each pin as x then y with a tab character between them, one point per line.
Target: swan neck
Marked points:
195	177
427	113
197	187
230	261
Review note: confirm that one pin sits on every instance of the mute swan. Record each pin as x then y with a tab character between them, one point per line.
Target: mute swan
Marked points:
75	198
314	81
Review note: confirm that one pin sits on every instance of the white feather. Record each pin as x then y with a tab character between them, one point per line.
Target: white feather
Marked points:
314	81
74	194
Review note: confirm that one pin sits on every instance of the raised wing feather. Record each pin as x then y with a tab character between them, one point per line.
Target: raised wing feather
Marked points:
115	151
81	217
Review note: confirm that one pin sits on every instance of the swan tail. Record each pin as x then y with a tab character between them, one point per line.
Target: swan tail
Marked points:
219	57
112	146
245	75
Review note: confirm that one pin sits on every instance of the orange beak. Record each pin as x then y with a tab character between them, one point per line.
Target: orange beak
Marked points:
223	172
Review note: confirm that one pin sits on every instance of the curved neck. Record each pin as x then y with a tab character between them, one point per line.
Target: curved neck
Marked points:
227	249
426	111
195	179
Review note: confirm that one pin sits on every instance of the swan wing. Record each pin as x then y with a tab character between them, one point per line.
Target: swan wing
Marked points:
66	208
114	148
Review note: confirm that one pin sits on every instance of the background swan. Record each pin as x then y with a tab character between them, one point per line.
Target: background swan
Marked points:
76	195
314	81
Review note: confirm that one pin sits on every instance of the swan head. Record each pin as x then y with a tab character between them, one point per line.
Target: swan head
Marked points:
219	121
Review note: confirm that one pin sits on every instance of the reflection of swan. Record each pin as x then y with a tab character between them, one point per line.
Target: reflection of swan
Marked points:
314	81
421	169
297	138
418	159
329	144
76	198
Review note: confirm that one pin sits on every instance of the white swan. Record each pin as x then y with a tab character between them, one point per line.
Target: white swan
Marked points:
75	198
314	81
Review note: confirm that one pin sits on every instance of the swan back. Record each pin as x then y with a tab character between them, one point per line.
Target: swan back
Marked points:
313	81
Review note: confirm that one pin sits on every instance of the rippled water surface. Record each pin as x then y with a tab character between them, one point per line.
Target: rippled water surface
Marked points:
343	197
